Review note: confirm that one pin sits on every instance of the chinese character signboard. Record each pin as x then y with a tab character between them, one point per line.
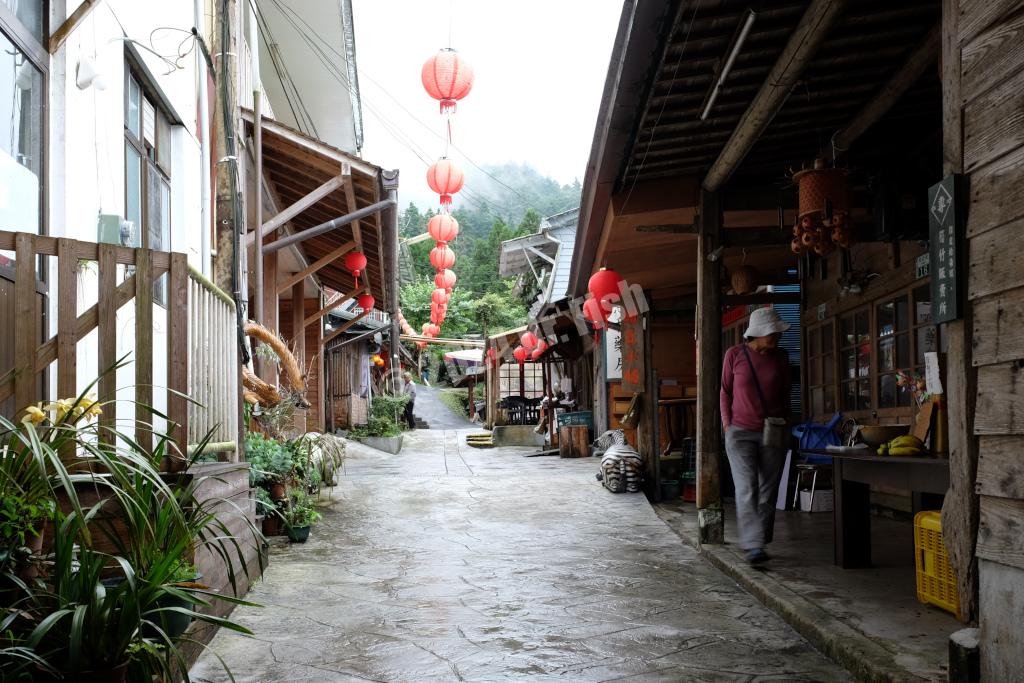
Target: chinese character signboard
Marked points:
945	250
613	354
633	355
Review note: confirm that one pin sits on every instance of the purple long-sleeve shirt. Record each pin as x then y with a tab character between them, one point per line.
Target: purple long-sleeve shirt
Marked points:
739	400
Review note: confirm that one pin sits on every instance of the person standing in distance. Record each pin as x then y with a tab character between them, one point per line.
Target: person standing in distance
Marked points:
409	390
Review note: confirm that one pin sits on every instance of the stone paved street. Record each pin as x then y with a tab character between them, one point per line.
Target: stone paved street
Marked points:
446	563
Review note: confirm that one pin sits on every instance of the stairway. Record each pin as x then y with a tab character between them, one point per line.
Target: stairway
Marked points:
421	423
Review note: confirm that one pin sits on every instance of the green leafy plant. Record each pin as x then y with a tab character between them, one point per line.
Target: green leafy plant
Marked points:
269	461
138	526
300	516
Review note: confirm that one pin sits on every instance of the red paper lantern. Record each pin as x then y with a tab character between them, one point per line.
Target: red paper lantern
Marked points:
439	296
445	178
592	312
604	287
528	340
365	302
520	354
441	257
536	354
436	317
445	279
433	330
421	345
447	77
542	346
443	228
355	262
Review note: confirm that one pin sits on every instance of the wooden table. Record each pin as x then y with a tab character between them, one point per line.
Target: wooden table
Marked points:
680	408
853	474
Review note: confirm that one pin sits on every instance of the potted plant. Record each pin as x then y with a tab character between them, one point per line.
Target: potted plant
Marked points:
299	516
268	509
271	465
382	429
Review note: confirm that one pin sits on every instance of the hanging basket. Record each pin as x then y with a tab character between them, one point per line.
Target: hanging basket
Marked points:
817	186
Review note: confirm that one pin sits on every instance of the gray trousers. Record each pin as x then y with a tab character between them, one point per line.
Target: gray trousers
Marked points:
755	472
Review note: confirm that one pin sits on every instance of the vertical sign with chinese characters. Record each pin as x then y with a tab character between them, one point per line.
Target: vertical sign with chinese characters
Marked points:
633	355
613	354
944	250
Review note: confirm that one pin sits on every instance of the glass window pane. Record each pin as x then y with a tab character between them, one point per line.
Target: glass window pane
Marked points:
29	13
163	143
814	376
887	353
886	314
925	342
132	196
134	108
826	338
849	395
864	395
21	140
849	363
829	368
902	314
848	333
903	351
817	401
922	305
830	400
864	360
813	347
863	328
887	391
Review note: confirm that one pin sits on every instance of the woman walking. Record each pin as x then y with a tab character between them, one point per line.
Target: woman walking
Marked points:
754	398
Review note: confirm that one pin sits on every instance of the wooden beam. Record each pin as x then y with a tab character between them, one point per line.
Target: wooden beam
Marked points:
710	516
755	237
923	56
299	343
670	228
344	326
350	202
309	270
437	340
298	207
330	306
761	298
803	43
58	37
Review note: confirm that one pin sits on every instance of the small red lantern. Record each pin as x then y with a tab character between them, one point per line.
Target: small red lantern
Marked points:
445	279
436	317
355	262
604	287
443	228
441	257
520	354
365	301
434	330
528	340
439	296
447	77
445	178
536	354
421	345
542	346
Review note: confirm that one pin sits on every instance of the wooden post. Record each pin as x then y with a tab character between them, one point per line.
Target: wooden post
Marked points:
67	314
143	347
960	513
573	441
259	302
299	342
25	341
107	354
271	310
177	359
225	135
710	517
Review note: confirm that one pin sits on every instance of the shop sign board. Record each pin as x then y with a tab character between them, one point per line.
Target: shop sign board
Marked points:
633	355
945	249
579	417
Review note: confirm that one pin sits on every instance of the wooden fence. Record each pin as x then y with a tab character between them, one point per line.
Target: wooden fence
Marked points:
32	355
213	380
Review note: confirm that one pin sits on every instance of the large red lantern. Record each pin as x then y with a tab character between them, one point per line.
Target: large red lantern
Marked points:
520	354
433	330
441	257
445	279
443	228
528	340
542	346
592	312
447	77
365	302
355	262
439	296
604	287
436	317
445	178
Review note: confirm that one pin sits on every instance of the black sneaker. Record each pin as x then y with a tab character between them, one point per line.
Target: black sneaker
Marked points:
757	556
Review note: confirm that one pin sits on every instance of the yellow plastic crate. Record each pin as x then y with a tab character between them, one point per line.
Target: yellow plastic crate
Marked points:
936	582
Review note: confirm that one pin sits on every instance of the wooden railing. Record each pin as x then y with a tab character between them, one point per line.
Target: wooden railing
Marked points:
31	356
213	380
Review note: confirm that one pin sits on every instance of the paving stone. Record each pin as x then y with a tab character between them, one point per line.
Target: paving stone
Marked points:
502	568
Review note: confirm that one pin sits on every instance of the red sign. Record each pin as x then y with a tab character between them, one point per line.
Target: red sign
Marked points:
633	355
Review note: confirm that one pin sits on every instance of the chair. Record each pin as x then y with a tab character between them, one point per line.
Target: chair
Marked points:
818	436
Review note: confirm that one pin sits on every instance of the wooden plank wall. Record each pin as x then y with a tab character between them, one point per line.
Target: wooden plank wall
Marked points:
312	361
990	43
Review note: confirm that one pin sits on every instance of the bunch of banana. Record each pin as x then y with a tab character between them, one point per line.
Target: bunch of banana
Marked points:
907	444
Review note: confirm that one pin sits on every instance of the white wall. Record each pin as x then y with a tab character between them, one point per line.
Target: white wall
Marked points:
86	173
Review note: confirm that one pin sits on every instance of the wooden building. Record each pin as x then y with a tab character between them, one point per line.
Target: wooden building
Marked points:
707	114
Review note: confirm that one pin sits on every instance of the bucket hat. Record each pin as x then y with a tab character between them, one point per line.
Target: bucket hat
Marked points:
765	321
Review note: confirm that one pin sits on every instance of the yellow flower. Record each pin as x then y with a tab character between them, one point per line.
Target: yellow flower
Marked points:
62	407
34	414
92	408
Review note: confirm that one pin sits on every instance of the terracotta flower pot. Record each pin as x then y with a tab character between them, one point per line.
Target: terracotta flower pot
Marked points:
271	525
277	492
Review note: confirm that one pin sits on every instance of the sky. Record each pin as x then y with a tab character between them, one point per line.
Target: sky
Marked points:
539	66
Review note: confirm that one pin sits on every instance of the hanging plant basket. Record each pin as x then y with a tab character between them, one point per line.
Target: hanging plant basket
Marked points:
823	215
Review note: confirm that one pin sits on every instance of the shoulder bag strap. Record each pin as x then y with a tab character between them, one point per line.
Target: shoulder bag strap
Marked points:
757	384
